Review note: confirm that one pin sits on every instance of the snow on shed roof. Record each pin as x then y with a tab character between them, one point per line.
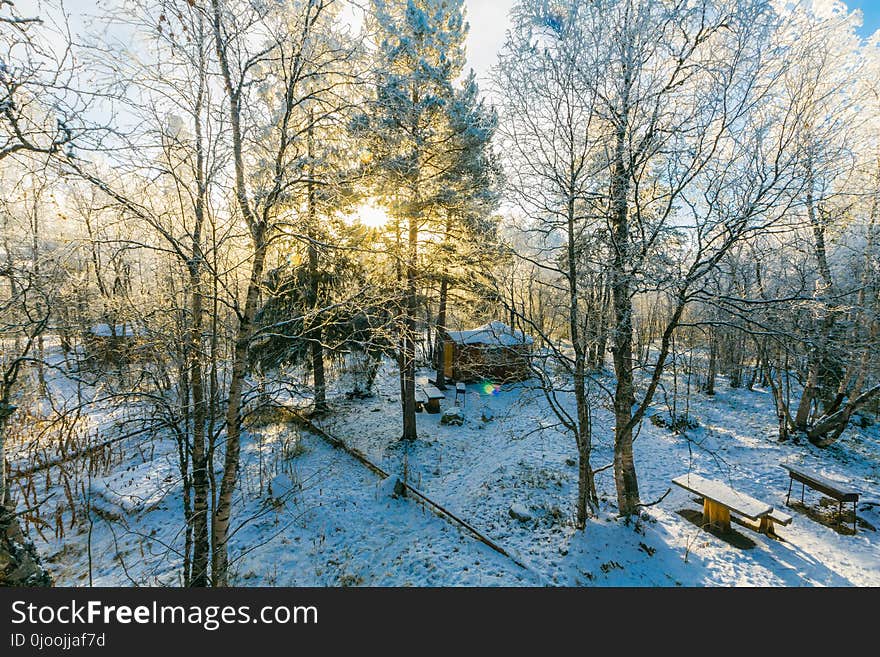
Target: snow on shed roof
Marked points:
494	333
105	331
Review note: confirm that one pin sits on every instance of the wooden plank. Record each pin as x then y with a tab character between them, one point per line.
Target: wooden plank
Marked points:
724	495
779	517
838	490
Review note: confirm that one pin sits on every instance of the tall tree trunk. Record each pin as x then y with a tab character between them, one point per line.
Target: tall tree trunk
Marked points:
5	411
408	354
602	328
317	348
819	351
313	330
622	335
196	353
201	546
410	431
35	264
442	336
223	511
184	453
583	430
258	228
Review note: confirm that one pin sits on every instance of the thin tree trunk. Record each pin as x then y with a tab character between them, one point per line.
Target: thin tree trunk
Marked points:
408	369
818	354
183	456
5	412
583	430
201	545
713	360
602	338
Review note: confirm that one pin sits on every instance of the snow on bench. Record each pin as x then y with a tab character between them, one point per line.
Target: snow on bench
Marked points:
421	399
720	499
433	392
840	491
724	495
836	489
460	392
779	517
434	396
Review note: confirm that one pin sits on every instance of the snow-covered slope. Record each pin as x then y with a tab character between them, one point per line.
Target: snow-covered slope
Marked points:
309	514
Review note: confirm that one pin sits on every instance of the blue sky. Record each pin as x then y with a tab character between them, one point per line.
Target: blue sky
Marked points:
488	19
871	11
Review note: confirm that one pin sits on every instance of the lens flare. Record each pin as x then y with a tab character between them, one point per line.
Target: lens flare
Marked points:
491	388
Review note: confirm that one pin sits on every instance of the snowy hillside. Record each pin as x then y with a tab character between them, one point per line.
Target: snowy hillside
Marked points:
317	516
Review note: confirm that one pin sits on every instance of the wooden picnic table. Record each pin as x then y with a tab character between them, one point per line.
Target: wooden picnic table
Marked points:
835	489
421	400
719	500
433	395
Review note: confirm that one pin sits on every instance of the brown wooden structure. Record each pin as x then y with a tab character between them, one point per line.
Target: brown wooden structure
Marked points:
121	343
492	352
720	500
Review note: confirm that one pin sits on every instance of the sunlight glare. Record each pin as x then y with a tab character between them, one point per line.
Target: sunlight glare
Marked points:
371	215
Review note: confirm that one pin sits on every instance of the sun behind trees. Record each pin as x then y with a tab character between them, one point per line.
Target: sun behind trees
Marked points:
427	136
229	212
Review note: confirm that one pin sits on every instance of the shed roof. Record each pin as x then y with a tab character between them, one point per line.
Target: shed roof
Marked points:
105	330
494	333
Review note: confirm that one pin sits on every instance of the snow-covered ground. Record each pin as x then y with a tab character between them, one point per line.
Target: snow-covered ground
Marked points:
309	514
482	468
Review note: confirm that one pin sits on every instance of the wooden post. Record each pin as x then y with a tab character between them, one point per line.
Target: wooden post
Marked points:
448	350
716	514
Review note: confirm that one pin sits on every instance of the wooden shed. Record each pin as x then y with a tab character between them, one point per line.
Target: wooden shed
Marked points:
492	352
118	343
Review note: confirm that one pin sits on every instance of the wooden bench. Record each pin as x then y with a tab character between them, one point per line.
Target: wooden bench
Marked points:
433	396
814	480
719	500
421	400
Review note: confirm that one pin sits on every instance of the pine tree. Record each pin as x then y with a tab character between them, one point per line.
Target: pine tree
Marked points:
410	129
469	195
